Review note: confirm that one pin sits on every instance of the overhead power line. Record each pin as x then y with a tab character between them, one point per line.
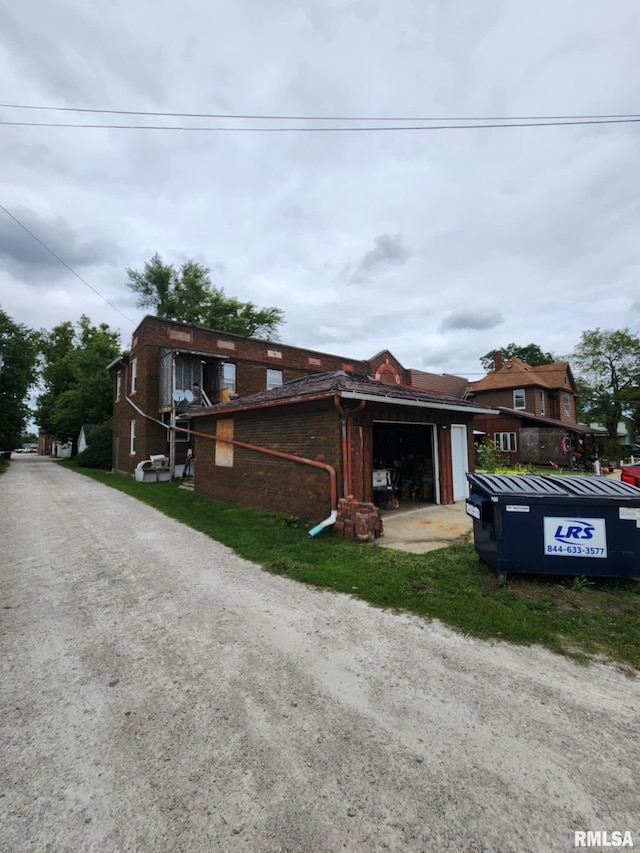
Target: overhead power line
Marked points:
372	129
64	263
259	117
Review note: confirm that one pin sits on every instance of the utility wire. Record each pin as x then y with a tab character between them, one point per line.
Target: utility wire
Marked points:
372	129
318	118
64	263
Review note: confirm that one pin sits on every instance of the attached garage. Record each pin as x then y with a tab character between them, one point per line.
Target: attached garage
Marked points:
288	440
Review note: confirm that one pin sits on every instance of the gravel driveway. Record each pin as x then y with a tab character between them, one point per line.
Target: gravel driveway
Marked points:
161	694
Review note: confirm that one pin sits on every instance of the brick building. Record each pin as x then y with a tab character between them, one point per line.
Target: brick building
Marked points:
536	420
191	376
354	426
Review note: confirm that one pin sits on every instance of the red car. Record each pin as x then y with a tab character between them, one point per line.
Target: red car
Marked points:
630	474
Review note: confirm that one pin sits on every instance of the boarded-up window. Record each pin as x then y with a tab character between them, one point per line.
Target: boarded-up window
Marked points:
224	451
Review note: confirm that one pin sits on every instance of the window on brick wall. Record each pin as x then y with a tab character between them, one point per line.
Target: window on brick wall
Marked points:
132	438
134	375
274	379
118	385
566	404
229	377
542	402
181	436
505	441
519	400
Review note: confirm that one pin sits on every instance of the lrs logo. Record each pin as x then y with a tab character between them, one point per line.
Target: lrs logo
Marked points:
573	531
575	537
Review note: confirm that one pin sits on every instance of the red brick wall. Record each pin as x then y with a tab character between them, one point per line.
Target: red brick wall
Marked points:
267	482
251	357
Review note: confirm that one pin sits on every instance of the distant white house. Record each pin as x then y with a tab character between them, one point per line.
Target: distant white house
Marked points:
83	438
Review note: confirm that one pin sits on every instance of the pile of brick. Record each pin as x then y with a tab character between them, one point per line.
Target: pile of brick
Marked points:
358	520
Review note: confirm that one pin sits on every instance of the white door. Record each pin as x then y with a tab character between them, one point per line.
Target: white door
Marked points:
459	461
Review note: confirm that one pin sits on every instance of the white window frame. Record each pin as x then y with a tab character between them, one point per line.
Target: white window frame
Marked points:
542	403
274	378
118	385
566	404
132	437
229	376
519	391
134	375
505	441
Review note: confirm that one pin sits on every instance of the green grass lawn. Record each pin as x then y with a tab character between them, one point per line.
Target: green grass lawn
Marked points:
577	617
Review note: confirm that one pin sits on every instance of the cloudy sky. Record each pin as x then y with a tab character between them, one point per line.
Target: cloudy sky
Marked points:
438	245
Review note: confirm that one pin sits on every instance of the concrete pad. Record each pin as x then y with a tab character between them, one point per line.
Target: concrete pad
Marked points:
425	528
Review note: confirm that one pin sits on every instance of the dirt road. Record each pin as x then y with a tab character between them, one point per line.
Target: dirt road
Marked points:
160	694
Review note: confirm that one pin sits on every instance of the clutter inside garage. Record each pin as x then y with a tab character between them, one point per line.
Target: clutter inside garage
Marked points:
403	468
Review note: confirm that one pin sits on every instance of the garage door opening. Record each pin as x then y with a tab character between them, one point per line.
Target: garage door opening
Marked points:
404	471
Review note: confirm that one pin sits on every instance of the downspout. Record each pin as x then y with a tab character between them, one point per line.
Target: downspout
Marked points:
346	456
331	471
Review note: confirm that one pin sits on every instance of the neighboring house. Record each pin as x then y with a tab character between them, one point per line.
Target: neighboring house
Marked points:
625	435
355	425
83	438
536	421
175	372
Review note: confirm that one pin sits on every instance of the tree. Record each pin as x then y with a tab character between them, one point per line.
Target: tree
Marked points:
609	364
78	388
98	453
56	372
188	295
531	354
18	359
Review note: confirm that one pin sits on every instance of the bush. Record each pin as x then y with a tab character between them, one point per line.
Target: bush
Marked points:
489	458
99	452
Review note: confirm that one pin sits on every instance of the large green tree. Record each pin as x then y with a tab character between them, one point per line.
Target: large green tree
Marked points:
18	359
531	353
188	294
77	386
608	364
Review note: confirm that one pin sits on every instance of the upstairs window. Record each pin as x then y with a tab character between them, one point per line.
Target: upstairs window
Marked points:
134	375
542	402
229	377
274	379
566	404
519	399
118	385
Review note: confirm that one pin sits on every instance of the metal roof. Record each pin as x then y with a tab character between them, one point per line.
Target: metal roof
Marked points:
544	485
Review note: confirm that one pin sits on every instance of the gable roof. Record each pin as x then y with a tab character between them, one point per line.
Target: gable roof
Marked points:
348	386
516	373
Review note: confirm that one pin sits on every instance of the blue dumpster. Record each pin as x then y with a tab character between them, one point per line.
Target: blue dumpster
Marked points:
555	525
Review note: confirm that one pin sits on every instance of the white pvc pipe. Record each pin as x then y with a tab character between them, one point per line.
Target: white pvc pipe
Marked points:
326	523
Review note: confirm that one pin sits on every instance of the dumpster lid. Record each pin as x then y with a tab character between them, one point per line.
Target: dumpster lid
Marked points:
545	485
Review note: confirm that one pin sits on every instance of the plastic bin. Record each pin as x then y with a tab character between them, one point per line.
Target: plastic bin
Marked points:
556	525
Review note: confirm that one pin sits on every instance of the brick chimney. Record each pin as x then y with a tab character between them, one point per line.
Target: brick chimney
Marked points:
497	361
